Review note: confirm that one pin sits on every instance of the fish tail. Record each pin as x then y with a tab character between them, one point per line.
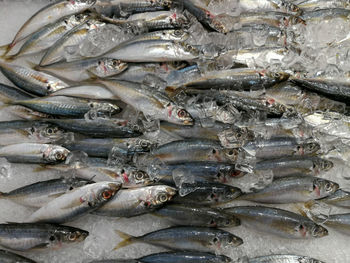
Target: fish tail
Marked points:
127	239
5	49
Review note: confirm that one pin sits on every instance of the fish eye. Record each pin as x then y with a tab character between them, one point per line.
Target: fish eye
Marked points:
32	130
177	33
328	186
162	197
49	130
115	63
58	156
72	236
71	188
144	144
48	87
182	113
107	194
215	240
139	175
231	152
52	238
238	135
214	151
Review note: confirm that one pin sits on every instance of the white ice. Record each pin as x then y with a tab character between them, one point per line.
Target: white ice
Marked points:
99	245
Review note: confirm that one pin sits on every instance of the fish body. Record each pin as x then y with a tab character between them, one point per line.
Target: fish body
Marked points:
40	193
340	222
199	239
75	203
293	189
278	222
339	198
29	236
284	259
132	202
9	257
184	257
33	153
30	80
8	93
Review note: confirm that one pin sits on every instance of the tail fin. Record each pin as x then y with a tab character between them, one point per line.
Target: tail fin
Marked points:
128	239
4	50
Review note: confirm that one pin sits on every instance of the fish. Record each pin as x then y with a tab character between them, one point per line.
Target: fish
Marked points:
102	147
88	91
155	51
237	79
160	20
196	216
99	128
30	236
67	106
45	37
49	14
339	222
138	201
199	239
339	198
17	112
308	165
278	222
40	193
279	147
193	150
206	193
125	8
81	70
10	257
34	153
8	93
30	80
184	257
284	259
216	172
75	204
311	5
325	14
293	189
151	102
333	87
69	43
279	5
23	131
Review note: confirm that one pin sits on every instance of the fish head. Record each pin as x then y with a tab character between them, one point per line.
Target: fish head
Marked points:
105	107
179	115
309	229
140	178
231	193
80	4
162	195
235	136
108	67
178	19
187	48
76	19
322	188
55	85
225	220
164	3
75	182
222	240
231	154
227	114
68	235
278	76
308	148
48	132
55	153
103	192
317	231
322	164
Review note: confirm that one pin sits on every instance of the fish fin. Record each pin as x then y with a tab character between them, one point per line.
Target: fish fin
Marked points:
91	75
127	239
309	204
40	168
6	49
55	195
40	246
300	210
32	65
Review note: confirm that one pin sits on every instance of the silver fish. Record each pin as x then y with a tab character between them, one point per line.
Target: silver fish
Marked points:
9	257
284	259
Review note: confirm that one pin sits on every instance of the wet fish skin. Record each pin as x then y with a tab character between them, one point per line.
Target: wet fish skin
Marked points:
199	239
293	189
30	80
339	198
40	193
138	201
29	236
51	13
278	222
207	193
284	259
9	257
8	93
66	106
76	203
340	222
283	5
184	257
196	216
34	153
81	70
114	128
48	35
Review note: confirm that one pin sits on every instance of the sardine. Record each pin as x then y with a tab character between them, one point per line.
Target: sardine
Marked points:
293	189
151	102
8	93
50	14
340	222
196	216
184	257
278	5
200	239
30	80
33	153
89	91
278	222
133	202
284	259
28	236
207	193
310	5
339	198
67	106
84	69
76	203
116	128
9	257
40	193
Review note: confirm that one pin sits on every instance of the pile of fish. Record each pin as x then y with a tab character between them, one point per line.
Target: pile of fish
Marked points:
184	109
